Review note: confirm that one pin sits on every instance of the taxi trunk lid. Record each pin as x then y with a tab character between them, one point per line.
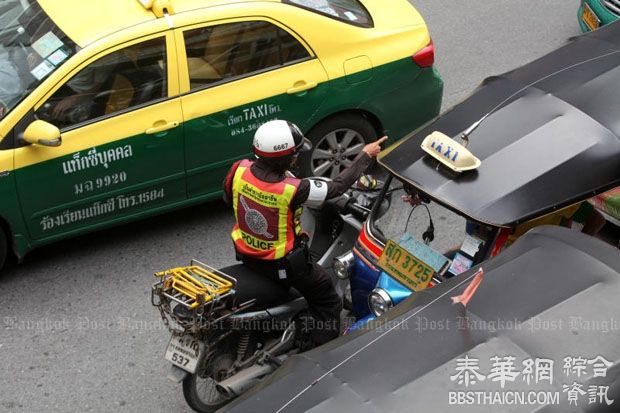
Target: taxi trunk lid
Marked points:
400	21
393	14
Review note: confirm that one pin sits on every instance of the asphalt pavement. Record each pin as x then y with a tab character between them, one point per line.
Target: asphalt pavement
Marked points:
77	331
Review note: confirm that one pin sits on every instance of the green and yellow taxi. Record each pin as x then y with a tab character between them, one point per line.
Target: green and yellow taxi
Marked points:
593	14
114	110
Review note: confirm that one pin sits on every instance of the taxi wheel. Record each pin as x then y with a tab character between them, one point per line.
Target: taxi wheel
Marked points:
335	143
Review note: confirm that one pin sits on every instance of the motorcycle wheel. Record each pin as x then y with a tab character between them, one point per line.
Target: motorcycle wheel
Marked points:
200	392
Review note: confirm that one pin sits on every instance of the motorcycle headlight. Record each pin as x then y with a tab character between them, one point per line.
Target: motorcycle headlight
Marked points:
343	265
379	301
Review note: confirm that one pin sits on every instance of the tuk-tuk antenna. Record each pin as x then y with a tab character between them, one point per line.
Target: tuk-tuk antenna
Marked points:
465	134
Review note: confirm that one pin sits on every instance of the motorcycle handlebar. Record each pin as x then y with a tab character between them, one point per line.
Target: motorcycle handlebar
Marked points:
357	210
345	204
338	203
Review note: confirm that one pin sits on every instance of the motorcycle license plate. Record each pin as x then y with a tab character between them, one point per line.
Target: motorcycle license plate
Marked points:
410	271
184	352
589	18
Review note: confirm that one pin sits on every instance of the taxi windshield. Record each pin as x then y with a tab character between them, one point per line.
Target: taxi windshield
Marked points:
31	48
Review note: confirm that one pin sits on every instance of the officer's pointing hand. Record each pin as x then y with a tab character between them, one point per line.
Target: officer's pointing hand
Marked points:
373	149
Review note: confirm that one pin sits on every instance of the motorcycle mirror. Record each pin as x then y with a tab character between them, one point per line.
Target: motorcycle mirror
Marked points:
368	182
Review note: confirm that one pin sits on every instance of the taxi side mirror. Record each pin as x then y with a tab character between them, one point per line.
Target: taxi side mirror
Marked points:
43	133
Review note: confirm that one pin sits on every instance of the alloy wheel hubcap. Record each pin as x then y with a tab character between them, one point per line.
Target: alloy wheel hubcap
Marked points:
335	151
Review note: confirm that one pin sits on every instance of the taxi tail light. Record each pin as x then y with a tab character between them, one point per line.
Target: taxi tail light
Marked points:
426	56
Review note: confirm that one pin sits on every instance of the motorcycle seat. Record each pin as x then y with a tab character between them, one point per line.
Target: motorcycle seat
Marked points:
251	285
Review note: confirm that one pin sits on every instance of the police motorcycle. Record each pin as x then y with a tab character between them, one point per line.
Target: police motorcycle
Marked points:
230	327
525	149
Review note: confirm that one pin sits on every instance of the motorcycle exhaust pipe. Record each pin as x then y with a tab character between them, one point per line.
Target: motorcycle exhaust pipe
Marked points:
244	380
247	378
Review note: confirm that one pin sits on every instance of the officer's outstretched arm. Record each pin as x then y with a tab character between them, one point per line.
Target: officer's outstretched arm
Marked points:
320	191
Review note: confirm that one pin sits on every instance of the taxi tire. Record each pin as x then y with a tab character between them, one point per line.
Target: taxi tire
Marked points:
352	121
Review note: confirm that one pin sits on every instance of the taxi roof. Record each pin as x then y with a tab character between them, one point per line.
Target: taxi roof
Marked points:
86	21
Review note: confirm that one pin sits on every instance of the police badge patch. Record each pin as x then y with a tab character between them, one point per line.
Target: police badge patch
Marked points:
255	220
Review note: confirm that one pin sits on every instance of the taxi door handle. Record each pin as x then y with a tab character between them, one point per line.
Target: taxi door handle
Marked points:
161	126
301	86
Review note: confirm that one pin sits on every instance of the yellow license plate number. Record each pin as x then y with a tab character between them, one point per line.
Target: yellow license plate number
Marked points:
410	271
589	18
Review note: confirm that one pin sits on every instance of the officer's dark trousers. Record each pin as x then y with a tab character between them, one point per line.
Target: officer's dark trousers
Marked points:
317	288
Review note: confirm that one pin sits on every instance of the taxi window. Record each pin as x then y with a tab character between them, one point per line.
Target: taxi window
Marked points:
117	82
232	50
348	11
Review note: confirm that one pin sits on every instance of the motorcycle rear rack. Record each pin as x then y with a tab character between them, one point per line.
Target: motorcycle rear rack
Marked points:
195	285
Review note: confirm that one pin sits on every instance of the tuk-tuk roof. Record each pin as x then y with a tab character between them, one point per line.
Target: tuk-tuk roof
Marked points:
539	298
554	143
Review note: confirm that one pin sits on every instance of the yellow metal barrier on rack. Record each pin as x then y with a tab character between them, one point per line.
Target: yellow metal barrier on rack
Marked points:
193	285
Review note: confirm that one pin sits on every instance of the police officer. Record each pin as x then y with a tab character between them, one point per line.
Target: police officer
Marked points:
267	202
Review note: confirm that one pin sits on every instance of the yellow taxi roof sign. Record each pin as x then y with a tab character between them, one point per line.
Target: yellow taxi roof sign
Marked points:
449	152
158	7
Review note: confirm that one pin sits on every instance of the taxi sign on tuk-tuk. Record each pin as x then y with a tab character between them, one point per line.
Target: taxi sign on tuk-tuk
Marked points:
535	132
449	152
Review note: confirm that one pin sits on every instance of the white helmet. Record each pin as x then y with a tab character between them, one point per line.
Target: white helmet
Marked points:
278	138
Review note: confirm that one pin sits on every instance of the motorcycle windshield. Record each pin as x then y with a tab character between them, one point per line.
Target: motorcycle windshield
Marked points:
31	48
